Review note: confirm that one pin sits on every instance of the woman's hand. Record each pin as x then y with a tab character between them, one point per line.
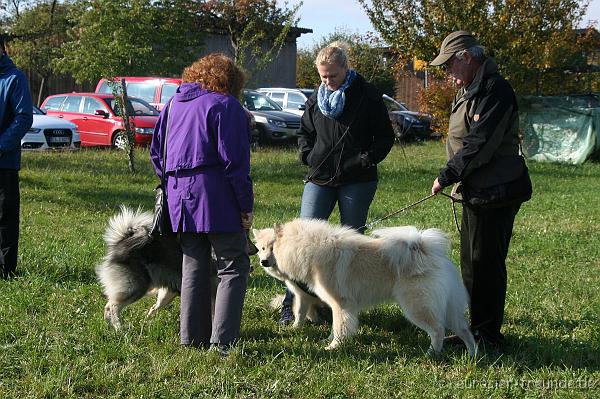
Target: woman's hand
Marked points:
247	220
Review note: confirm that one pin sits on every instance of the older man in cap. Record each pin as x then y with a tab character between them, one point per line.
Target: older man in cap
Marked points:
485	164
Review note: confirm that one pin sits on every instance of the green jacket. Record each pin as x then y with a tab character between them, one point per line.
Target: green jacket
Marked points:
483	134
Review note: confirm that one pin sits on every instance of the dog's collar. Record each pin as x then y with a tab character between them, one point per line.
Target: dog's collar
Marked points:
304	288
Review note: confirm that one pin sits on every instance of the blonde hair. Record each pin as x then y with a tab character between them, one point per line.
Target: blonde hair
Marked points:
334	53
216	72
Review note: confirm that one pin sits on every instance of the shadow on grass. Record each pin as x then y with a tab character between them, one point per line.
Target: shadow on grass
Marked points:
385	335
536	351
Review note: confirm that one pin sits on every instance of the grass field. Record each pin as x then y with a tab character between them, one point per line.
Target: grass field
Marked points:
55	344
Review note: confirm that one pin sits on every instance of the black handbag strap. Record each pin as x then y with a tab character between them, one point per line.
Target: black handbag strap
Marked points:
163	177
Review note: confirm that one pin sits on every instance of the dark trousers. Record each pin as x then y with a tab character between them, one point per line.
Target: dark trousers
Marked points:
9	221
233	266
484	240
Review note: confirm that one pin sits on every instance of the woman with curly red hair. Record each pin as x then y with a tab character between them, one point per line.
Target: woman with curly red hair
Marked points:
210	196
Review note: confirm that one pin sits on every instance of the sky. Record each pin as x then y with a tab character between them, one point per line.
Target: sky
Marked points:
326	16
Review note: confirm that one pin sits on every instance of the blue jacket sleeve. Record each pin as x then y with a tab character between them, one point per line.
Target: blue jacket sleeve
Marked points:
21	107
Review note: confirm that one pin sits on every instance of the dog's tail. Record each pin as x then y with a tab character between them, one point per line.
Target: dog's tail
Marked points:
413	251
128	231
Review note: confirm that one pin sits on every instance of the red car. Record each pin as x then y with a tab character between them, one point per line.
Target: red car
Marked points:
156	91
98	122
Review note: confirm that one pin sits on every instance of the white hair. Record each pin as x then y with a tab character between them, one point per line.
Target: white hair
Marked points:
477	52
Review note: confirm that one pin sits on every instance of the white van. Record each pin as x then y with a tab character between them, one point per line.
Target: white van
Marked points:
291	100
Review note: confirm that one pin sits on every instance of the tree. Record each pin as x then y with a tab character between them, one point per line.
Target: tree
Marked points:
306	73
130	37
257	29
525	35
11	9
367	55
37	34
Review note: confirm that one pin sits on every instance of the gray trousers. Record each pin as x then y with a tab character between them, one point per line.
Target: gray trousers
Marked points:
196	326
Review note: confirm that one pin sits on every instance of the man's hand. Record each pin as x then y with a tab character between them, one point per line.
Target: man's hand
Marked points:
436	187
247	220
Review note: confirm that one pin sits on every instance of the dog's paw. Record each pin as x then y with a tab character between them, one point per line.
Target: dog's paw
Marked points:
433	354
334	344
297	324
152	311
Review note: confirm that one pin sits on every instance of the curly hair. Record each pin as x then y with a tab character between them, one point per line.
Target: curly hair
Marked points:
216	72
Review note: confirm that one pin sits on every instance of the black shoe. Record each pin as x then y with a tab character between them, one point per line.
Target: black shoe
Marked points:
287	316
222	350
484	345
488	344
325	314
196	346
454	341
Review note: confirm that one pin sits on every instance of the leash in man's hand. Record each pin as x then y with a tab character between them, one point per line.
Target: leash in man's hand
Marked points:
370	225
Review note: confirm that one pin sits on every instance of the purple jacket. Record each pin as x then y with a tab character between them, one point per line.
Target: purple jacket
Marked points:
208	160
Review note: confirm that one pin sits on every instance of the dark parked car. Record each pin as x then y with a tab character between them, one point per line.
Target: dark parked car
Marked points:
408	125
272	123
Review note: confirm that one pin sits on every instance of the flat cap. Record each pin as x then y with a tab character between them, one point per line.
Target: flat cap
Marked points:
454	42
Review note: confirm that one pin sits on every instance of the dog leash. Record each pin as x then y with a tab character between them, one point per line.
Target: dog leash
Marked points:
370	225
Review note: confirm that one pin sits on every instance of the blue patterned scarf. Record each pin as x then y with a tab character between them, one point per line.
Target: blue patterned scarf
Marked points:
331	103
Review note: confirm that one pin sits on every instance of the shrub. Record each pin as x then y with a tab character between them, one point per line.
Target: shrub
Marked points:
436	100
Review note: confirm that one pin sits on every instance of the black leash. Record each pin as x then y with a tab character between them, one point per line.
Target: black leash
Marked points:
370	225
454	201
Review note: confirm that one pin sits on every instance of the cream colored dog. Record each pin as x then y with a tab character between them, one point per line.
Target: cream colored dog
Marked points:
351	272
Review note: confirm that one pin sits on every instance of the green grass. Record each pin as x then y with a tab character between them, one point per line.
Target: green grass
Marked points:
55	344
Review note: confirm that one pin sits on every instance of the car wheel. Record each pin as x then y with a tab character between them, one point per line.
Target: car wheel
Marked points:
262	136
119	140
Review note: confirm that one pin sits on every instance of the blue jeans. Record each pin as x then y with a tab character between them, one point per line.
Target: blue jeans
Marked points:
353	201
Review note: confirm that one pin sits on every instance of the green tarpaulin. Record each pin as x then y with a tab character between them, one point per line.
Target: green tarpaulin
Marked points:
560	129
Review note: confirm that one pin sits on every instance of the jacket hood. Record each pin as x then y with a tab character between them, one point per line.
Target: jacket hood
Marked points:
6	64
189	91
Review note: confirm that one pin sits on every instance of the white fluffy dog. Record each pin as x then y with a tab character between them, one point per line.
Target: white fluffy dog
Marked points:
351	272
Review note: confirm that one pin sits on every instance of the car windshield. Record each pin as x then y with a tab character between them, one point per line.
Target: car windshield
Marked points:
259	102
136	107
393	105
37	111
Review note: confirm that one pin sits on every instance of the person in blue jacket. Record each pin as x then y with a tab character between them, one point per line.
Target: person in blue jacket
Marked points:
16	117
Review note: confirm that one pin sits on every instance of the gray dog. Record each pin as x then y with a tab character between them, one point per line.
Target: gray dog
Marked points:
137	264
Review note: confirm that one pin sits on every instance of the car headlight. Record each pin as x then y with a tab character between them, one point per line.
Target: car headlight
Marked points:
411	119
34	131
277	123
144	130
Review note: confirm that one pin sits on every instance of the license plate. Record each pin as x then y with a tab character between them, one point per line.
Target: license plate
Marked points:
59	139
